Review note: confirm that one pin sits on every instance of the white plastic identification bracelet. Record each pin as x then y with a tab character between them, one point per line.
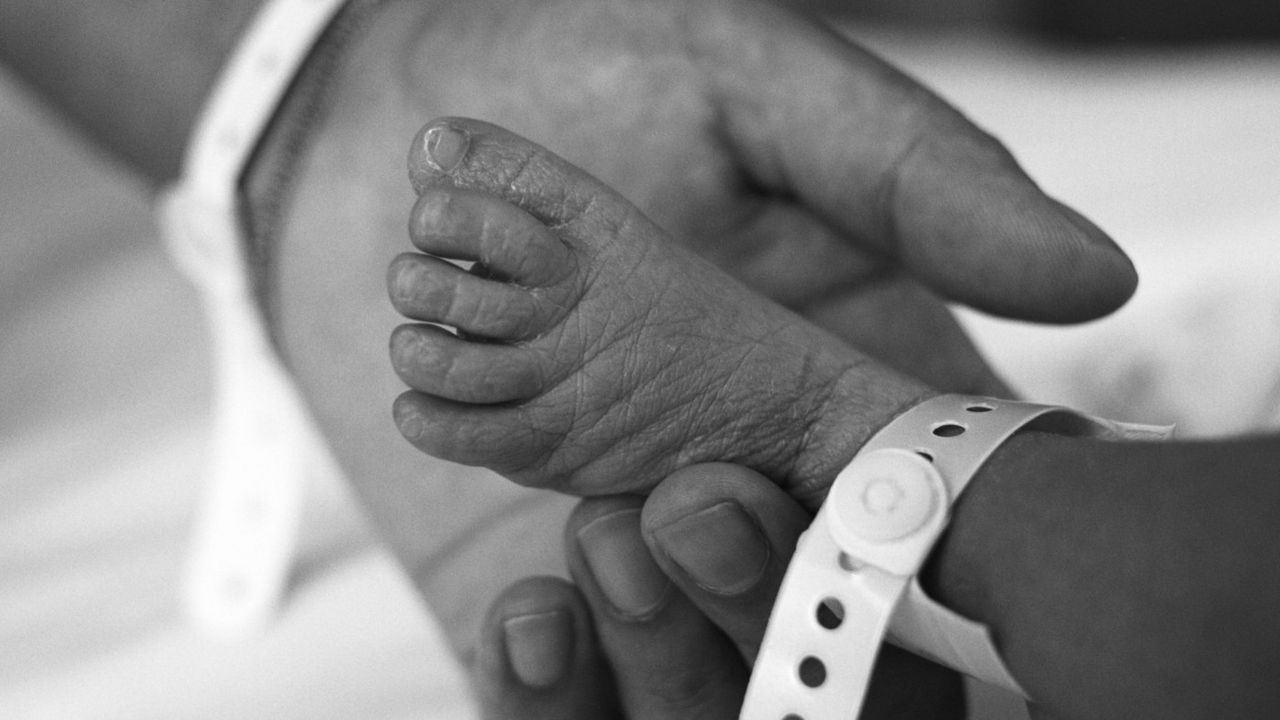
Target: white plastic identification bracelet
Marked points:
853	577
264	446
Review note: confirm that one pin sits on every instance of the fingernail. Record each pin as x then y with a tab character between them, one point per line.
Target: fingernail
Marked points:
539	646
721	549
446	147
623	568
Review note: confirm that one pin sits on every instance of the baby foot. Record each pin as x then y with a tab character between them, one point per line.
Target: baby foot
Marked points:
593	354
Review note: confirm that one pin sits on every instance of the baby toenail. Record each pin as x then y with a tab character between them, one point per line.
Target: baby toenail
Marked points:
409	422
412	427
446	147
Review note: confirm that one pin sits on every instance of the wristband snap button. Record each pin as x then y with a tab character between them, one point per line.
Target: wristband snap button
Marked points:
888	495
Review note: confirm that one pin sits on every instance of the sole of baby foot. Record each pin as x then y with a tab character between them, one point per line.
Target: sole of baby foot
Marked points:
590	352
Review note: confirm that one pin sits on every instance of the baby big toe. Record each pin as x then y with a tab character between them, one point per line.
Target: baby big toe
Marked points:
499	162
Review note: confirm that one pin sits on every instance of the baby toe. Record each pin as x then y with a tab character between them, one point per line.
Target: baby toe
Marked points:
502	438
429	289
434	361
510	243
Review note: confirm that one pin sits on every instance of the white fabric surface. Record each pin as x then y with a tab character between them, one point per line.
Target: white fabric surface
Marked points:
104	401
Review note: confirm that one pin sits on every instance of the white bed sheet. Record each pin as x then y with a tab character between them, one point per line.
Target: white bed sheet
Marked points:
104	401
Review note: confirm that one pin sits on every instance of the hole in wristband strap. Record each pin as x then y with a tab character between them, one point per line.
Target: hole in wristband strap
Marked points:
981	408
948	430
848	563
830	613
813	672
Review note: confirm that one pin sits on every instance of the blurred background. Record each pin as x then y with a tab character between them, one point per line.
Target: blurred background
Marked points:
1082	22
1158	120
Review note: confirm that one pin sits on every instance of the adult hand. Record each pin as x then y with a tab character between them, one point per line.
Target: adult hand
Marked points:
669	635
799	162
1093	633
794	159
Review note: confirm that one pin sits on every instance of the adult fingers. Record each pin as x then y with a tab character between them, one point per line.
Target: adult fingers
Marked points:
705	531
813	116
669	661
538	658
724	535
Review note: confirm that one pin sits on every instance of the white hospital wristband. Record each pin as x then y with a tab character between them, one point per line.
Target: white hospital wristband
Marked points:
264	446
853	576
